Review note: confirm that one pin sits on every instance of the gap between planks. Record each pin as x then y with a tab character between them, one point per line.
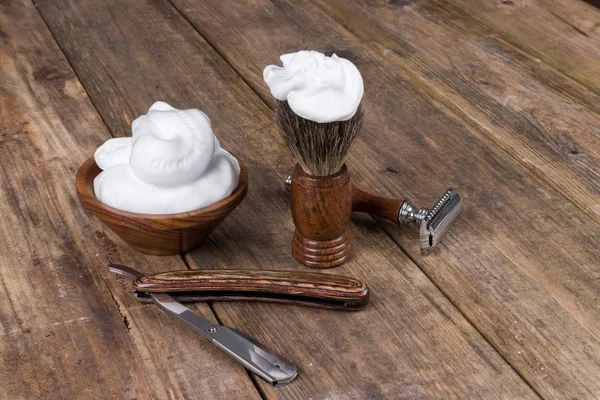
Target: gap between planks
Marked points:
377	220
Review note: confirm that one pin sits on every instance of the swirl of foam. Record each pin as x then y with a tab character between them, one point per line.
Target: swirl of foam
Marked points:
173	163
318	88
171	147
113	152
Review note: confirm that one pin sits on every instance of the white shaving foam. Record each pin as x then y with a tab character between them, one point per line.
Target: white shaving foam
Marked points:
318	88
173	163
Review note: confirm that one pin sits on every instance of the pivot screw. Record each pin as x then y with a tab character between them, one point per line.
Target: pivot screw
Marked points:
212	329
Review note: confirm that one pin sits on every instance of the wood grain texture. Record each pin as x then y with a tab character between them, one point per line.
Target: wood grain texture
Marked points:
321	208
291	287
562	33
158	234
547	122
376	205
519	262
68	330
409	341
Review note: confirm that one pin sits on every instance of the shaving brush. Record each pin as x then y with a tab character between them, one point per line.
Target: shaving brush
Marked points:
321	198
318	114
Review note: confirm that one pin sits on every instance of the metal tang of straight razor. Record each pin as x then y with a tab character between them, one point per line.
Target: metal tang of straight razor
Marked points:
236	344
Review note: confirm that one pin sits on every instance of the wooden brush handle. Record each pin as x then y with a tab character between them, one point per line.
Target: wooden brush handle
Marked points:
321	209
303	288
376	205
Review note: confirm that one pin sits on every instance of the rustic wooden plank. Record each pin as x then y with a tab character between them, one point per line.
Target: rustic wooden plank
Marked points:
409	342
595	3
67	329
562	33
521	261
544	119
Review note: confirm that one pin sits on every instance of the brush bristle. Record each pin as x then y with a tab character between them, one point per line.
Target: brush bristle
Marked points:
319	148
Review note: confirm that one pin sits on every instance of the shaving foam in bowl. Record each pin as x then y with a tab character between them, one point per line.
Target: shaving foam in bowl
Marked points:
165	216
318	88
173	163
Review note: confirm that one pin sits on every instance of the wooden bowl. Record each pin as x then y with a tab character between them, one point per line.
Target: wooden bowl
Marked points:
158	234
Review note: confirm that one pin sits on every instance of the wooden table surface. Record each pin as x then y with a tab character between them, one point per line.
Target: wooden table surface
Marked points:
498	99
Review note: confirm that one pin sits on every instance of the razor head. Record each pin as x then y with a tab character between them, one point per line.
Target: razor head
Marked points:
438	220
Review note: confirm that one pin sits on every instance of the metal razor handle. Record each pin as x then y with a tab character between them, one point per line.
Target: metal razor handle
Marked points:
409	213
236	344
433	222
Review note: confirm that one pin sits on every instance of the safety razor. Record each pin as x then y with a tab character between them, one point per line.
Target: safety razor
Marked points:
433	222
